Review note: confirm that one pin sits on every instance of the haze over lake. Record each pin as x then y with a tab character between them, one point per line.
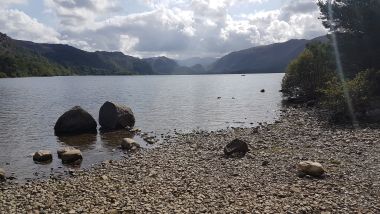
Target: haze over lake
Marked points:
31	106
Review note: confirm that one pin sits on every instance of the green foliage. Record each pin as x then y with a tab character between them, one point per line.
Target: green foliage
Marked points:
356	25
307	74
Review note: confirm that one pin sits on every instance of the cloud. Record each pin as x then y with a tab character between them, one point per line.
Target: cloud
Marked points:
7	3
21	26
174	28
75	13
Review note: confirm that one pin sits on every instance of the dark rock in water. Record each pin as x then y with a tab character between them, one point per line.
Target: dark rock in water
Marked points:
236	146
262	90
75	121
219	98
43	156
2	174
71	156
113	116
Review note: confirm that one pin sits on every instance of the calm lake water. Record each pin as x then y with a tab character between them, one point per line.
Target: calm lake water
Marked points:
29	108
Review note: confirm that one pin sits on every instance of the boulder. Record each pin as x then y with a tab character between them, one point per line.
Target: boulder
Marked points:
310	168
114	116
236	146
43	156
129	144
63	150
71	156
2	174
75	121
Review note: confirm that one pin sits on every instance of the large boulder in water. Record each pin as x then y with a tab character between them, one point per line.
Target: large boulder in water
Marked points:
114	116
75	121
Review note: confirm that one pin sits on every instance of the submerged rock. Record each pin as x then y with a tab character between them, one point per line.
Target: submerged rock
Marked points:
310	168
43	156
262	90
236	146
2	174
75	121
129	144
114	116
71	156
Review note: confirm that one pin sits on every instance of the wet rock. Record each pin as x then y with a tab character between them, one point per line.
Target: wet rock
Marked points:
75	121
129	144
63	150
71	156
236	146
262	90
310	168
114	116
43	156
2	174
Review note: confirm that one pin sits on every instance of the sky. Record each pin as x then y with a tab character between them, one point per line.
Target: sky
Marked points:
174	28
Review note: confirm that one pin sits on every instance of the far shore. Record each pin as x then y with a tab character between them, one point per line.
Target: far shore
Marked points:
190	174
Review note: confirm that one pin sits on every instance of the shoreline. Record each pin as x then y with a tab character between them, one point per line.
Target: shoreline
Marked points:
192	174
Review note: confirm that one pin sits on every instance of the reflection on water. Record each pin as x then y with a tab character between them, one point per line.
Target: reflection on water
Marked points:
29	108
82	142
111	140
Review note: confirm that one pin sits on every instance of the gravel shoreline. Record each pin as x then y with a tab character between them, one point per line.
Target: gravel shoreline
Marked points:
193	176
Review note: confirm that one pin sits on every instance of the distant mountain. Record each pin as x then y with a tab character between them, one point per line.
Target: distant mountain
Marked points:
162	65
205	62
272	58
166	66
23	58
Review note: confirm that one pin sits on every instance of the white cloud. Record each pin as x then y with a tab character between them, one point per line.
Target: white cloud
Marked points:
21	26
175	28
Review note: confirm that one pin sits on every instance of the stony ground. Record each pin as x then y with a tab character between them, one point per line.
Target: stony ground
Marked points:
193	176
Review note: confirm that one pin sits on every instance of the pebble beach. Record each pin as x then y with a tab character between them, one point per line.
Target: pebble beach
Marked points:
189	173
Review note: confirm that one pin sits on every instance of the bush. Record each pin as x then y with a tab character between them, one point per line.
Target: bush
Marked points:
363	93
309	73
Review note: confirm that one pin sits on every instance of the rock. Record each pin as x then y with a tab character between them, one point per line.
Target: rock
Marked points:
262	90
236	146
71	156
2	174
314	169
75	121
43	156
63	150
129	144
113	116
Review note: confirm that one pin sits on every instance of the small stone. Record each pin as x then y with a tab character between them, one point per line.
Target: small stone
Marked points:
265	163
63	150
129	144
236	146
104	177
310	168
71	156
43	156
2	174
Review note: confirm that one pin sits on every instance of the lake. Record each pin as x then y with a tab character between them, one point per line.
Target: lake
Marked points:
31	106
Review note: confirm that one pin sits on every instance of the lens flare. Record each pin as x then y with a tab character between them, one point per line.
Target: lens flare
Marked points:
340	69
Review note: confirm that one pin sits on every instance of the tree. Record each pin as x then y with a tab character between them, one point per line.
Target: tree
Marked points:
308	74
356	24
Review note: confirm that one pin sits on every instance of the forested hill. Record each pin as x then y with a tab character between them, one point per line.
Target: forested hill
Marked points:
272	58
23	58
